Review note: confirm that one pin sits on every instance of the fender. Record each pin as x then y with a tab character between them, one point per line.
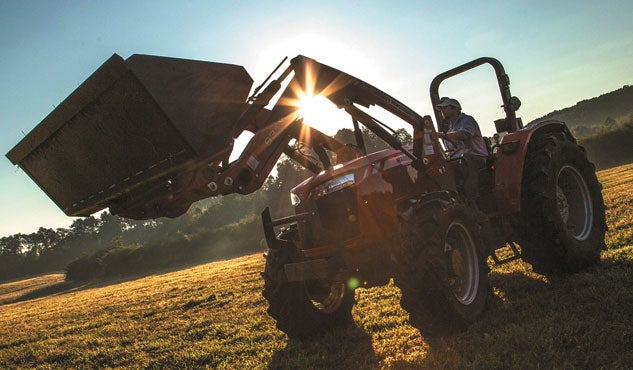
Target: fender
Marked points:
511	156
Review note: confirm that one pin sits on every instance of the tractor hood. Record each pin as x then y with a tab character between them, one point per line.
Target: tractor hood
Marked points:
361	167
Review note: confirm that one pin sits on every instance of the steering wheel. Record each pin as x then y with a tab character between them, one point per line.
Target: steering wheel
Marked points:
456	148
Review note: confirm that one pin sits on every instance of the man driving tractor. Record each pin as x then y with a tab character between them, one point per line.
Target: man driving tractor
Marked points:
464	137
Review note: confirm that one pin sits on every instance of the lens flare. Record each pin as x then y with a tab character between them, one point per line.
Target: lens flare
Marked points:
353	283
310	93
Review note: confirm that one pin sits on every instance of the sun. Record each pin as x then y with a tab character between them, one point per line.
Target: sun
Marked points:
320	113
328	49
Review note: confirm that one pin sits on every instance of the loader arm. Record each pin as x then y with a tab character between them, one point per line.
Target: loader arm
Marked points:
282	124
148	136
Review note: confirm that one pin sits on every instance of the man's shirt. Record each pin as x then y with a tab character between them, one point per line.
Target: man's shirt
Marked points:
474	143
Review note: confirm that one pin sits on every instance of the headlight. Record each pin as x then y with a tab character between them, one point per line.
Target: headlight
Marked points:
335	184
294	199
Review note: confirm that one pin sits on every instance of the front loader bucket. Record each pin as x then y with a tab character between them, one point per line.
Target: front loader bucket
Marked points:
131	122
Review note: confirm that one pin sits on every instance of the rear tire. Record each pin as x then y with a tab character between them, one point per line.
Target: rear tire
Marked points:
562	207
440	268
303	309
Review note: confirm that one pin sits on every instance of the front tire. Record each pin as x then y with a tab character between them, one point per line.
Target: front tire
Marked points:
303	309
440	268
562	206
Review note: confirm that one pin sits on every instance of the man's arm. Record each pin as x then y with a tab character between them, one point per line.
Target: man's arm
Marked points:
455	135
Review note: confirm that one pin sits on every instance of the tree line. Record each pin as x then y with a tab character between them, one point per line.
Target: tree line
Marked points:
609	145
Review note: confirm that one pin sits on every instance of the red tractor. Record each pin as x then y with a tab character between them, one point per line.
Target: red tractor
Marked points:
148	136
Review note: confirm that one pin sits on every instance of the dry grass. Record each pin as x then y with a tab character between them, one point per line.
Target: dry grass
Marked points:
213	316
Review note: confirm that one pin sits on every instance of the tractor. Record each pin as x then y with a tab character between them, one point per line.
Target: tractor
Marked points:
148	136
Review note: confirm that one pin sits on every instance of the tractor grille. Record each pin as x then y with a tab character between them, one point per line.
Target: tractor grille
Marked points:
338	214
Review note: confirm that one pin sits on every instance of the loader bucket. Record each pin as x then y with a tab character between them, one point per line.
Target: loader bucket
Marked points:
131	122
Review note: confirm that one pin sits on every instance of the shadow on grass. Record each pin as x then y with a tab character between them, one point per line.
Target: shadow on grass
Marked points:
548	323
69	286
346	348
57	288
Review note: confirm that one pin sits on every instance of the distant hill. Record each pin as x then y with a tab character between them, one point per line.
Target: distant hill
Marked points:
612	107
603	126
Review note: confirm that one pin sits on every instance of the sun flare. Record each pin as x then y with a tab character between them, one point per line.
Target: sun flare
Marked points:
313	107
318	112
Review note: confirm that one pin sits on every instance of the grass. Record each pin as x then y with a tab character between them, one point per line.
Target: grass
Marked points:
213	316
23	289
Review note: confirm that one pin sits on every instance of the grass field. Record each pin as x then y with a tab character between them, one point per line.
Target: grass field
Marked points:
213	316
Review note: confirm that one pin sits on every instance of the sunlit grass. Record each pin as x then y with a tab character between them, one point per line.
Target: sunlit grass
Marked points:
618	197
213	316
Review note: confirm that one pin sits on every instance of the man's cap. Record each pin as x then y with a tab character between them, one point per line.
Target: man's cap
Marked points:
445	102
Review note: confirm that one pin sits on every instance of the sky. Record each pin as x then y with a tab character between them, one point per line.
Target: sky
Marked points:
555	52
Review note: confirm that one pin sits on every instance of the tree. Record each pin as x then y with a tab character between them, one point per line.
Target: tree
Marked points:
404	136
11	245
84	226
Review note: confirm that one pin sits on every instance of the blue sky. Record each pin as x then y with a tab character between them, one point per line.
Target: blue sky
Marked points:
556	53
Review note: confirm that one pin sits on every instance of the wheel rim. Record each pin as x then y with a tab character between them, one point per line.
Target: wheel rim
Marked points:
463	267
326	297
574	202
